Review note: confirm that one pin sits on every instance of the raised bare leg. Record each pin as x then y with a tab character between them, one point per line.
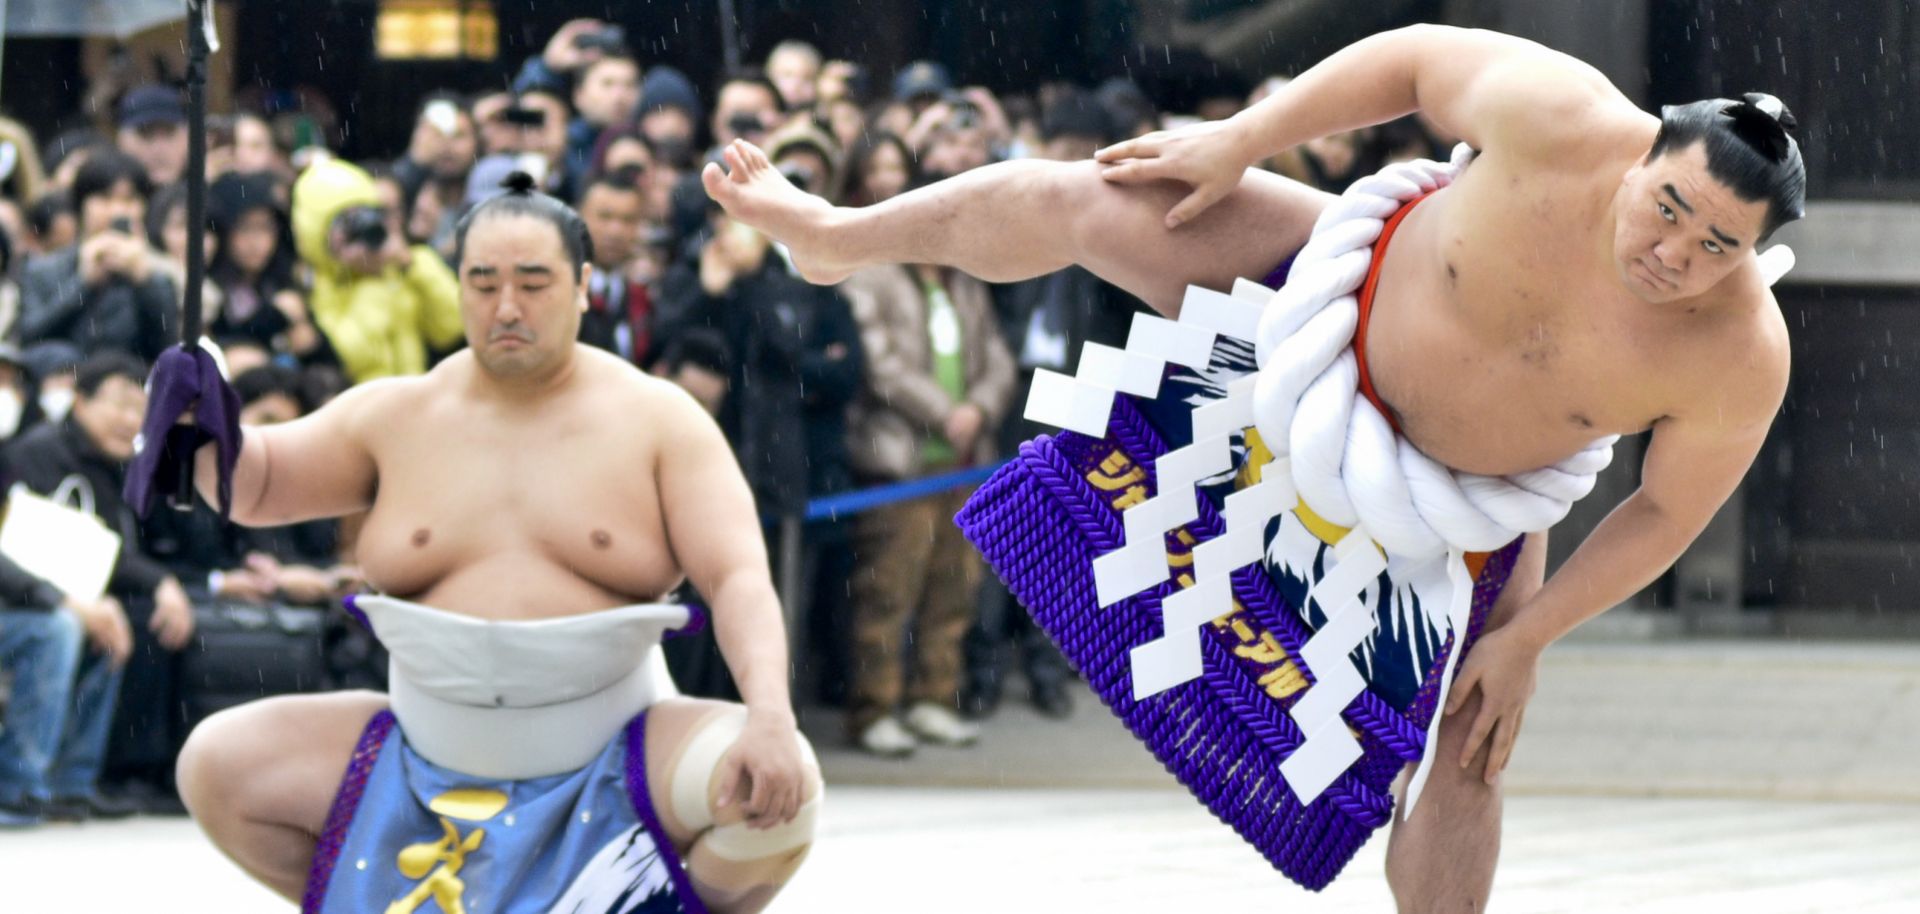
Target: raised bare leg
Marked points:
260	778
1025	218
733	866
1441	858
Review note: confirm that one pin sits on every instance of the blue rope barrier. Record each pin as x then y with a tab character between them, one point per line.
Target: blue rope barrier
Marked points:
834	507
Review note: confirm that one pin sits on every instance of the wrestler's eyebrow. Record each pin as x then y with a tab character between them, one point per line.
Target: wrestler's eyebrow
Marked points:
1678	199
480	271
533	269
1724	239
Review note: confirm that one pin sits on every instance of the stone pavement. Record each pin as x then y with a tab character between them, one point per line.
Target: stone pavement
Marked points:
1682	777
1764	720
940	850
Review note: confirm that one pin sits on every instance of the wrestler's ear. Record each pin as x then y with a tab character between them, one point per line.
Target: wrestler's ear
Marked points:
580	291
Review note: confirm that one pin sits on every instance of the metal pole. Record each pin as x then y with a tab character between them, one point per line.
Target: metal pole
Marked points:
3	35
196	207
729	35
792	529
196	170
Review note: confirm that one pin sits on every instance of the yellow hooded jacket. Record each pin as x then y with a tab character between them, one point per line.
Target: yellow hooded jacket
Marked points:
381	325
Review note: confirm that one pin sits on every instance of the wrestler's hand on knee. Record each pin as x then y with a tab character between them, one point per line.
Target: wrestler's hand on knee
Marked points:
1209	156
1504	668
764	765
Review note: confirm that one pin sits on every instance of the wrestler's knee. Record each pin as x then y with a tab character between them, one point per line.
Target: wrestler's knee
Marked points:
697	784
237	764
216	761
735	866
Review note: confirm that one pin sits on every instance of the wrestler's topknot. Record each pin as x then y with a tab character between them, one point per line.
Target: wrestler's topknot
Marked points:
1764	122
522	197
1750	148
517	182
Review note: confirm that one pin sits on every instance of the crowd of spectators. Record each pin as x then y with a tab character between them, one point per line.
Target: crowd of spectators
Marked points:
324	273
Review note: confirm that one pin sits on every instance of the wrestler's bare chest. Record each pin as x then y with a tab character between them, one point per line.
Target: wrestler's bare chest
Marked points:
1500	337
517	513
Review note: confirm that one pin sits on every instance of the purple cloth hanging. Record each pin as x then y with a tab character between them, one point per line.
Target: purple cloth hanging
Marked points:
184	379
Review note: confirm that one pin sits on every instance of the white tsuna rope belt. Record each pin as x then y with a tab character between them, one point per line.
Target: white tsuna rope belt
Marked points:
1349	466
1333	452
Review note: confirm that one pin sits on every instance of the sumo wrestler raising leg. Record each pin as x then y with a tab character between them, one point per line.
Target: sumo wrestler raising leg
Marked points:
1591	272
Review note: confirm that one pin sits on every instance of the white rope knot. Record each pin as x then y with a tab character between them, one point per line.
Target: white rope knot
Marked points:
1347	464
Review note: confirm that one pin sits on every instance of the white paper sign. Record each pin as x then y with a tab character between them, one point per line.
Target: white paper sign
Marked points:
68	548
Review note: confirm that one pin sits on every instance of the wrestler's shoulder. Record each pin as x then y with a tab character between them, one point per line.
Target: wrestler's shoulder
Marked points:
1555	109
376	401
611	376
1745	351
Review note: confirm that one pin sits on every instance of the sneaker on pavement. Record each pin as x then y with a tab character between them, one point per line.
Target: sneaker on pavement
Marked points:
91	806
885	737
940	725
1051	699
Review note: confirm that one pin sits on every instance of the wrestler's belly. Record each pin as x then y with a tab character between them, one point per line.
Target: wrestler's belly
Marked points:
1454	402
1491	372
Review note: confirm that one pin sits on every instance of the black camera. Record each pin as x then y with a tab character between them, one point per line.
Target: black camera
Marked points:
123	225
524	117
799	176
364	225
966	115
610	40
745	124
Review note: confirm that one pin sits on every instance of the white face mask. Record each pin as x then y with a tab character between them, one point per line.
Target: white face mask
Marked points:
55	403
11	406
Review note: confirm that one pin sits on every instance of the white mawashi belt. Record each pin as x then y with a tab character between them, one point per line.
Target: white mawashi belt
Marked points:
1333	452
520	699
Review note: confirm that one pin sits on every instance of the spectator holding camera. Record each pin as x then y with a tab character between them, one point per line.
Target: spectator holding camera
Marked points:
380	302
108	292
748	107
542	118
956	134
441	149
572	48
585	60
604	95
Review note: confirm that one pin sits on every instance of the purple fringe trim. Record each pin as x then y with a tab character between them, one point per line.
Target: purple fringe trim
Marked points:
1040	523
690	902
352	603
346	802
698	618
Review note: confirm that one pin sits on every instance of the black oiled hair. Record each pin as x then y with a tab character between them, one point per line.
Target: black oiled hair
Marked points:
104	168
258	383
1750	148
754	76
523	199
106	364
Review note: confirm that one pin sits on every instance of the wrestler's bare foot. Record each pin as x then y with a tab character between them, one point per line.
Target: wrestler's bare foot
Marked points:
756	193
